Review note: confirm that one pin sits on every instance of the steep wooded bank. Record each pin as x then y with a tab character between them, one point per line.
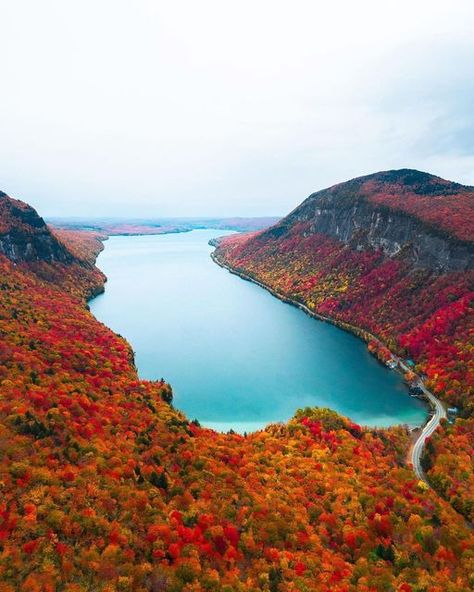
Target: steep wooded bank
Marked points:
63	258
392	253
25	237
105	487
424	219
84	245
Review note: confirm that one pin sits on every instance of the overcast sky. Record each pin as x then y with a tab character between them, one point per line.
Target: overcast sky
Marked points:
203	107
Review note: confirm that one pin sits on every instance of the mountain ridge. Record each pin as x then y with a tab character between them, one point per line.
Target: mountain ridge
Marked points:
377	211
24	235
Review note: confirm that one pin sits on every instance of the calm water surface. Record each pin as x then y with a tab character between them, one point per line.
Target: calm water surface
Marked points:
236	356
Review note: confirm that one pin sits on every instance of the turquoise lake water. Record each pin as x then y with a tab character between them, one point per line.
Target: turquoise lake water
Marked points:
236	356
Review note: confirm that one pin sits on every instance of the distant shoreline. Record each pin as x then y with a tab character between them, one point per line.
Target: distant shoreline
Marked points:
157	226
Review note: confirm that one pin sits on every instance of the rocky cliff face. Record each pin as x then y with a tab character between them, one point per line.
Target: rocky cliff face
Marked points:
351	213
24	236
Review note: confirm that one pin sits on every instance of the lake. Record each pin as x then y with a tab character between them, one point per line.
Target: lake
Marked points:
236	357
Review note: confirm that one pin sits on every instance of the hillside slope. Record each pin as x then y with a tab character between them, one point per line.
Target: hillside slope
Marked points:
105	487
423	218
391	253
24	236
55	256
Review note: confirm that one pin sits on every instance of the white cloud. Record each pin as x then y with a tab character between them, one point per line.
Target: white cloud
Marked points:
148	107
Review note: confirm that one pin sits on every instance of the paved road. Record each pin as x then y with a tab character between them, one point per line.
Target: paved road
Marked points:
438	413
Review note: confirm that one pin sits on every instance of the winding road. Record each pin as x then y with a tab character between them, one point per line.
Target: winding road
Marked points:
438	413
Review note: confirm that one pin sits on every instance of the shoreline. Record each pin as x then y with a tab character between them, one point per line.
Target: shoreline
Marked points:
354	330
433	404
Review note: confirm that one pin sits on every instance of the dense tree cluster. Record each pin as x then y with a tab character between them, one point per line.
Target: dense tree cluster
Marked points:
450	464
441	204
85	245
13	215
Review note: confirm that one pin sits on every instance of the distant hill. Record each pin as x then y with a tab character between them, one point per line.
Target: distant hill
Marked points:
122	226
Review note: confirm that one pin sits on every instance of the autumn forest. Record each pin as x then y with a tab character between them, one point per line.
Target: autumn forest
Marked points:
106	487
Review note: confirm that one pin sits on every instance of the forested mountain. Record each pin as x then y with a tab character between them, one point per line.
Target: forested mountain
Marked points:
24	236
106	487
